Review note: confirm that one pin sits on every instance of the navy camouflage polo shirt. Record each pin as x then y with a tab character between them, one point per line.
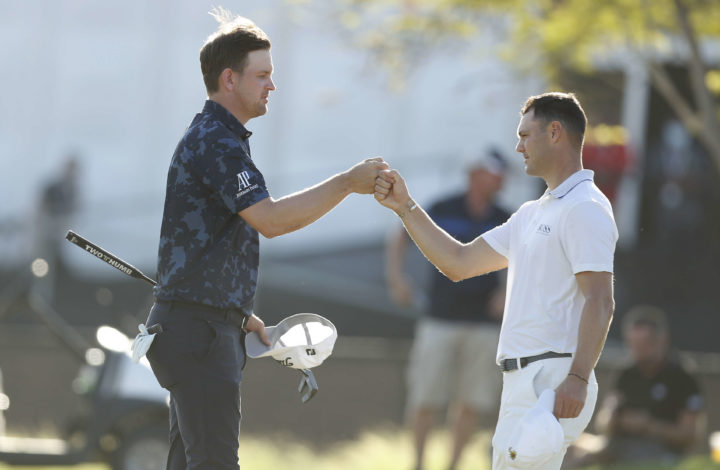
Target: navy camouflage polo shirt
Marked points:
208	254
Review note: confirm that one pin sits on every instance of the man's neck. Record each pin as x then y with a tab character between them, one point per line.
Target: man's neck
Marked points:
477	204
228	104
566	167
650	369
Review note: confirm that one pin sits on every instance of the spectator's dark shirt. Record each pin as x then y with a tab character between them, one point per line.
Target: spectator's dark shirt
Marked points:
466	300
59	197
208	254
664	396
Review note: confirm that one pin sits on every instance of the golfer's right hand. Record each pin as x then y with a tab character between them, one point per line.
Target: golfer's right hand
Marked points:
254	323
392	192
362	176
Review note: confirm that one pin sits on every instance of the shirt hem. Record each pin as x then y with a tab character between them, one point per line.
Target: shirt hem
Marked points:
598	268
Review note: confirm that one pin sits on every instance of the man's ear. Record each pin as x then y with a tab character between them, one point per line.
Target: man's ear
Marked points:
226	79
556	129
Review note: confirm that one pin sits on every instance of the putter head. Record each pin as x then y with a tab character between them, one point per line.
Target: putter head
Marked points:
308	385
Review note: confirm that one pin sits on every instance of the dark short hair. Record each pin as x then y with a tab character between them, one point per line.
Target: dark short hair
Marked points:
645	315
562	107
229	46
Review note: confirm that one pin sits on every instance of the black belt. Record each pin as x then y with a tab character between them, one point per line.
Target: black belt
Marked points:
234	316
507	365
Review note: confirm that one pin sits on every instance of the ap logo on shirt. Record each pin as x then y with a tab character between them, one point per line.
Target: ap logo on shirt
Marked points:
244	185
243	180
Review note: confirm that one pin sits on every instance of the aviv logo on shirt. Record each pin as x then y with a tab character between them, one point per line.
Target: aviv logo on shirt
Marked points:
244	185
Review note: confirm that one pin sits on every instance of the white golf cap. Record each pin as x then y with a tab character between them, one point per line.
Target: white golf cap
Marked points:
538	436
300	341
490	160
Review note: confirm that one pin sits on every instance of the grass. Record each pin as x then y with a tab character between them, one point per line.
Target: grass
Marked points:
74	467
691	463
377	450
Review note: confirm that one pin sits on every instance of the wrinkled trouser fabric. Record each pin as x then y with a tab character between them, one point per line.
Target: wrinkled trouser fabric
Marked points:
199	358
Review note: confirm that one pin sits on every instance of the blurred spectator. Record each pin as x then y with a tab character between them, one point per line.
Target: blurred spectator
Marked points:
655	412
57	203
453	358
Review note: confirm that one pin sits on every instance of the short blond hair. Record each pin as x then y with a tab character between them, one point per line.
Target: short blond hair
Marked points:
229	46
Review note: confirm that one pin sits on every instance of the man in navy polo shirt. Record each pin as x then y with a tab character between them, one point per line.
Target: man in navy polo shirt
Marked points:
215	205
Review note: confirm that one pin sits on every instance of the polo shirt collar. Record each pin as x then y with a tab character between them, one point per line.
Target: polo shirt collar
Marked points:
571	181
226	117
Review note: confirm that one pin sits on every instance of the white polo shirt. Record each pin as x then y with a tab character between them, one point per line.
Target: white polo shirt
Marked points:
568	230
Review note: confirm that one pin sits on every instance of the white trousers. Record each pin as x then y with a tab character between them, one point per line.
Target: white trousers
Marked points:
521	389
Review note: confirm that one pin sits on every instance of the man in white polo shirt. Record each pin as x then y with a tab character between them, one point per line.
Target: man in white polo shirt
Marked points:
559	253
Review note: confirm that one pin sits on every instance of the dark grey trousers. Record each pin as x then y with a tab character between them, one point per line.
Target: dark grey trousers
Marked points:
199	358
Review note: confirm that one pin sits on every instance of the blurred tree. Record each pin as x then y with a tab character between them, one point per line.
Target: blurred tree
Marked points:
556	35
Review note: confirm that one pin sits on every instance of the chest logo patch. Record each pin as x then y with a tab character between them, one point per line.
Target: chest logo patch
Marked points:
543	229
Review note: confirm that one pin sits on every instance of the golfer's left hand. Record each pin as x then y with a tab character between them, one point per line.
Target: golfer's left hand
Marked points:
570	397
254	323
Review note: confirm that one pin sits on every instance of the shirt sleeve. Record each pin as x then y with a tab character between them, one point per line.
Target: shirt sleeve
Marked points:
499	237
233	176
589	235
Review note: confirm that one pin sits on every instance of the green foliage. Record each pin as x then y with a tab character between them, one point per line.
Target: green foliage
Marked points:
552	34
581	33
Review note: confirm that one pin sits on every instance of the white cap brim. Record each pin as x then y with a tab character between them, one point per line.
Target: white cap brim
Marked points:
538	436
310	330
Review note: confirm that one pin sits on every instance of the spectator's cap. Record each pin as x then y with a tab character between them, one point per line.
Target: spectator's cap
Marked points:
300	341
538	436
491	160
646	315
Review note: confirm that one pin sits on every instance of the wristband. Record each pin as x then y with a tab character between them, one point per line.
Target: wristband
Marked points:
579	377
411	205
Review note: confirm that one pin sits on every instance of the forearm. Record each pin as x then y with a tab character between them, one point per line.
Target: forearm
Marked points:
594	324
438	246
682	433
454	259
395	255
297	210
